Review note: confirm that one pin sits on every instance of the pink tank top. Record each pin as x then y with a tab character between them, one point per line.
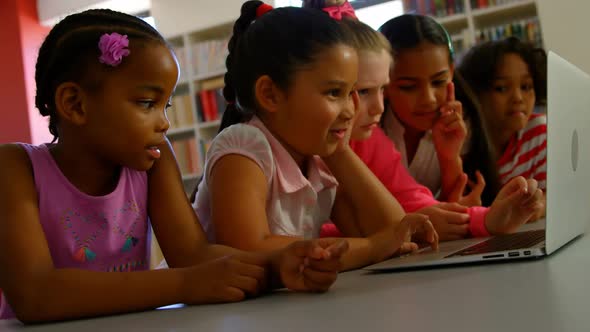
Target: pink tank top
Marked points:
99	233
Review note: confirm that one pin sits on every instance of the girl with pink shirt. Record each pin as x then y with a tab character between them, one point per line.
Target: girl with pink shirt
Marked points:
281	166
76	212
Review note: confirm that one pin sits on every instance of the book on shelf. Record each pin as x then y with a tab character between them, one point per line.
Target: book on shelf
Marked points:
181	113
210	99
437	8
477	4
187	155
209	56
212	83
181	57
526	30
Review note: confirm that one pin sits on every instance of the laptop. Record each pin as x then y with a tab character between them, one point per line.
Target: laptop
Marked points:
568	184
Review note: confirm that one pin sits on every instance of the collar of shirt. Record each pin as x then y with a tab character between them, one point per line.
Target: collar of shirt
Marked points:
290	177
395	131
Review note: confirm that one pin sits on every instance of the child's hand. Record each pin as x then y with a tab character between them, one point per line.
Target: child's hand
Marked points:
475	190
449	131
450	220
397	239
516	203
226	279
540	213
312	265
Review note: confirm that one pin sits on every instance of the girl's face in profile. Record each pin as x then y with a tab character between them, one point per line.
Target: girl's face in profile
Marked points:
373	78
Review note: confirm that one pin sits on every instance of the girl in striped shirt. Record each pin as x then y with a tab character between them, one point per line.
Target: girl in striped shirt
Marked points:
509	78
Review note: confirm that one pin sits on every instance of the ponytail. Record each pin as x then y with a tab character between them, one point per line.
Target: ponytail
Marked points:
233	112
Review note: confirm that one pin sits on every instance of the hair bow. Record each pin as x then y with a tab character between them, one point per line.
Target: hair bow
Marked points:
338	12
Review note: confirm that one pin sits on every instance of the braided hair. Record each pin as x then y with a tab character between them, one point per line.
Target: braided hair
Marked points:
72	46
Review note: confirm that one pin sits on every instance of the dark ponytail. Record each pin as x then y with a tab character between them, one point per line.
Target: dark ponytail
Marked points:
233	113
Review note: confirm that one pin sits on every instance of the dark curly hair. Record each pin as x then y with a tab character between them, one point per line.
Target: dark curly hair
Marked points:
479	65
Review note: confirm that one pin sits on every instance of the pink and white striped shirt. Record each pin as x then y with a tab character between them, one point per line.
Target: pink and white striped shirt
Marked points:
526	154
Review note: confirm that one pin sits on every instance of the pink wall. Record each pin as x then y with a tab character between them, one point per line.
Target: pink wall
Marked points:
21	36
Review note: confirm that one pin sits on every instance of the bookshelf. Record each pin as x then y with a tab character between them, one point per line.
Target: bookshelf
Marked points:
197	104
472	21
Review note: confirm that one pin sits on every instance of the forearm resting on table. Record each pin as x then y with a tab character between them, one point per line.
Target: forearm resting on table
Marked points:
359	254
364	190
62	294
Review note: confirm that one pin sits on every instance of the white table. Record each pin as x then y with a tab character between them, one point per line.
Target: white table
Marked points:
549	294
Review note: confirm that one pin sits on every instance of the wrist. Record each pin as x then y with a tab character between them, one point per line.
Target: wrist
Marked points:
450	161
184	284
480	221
375	248
274	269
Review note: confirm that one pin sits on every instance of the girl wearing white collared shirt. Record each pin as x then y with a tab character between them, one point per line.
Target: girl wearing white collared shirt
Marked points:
425	114
281	165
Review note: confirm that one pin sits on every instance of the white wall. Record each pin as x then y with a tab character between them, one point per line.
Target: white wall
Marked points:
174	17
565	25
51	11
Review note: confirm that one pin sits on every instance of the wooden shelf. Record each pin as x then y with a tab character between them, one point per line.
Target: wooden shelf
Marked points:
454	22
205	76
457	38
180	131
452	19
209	124
194	75
506	12
182	81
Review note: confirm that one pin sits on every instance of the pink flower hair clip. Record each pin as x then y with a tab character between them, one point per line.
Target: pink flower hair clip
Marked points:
113	47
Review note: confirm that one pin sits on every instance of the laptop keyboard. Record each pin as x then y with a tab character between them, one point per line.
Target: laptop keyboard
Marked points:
514	241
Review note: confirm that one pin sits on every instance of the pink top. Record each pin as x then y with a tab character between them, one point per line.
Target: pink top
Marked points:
296	205
382	157
99	233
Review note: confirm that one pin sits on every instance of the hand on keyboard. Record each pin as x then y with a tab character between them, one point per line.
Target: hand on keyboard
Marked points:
450	220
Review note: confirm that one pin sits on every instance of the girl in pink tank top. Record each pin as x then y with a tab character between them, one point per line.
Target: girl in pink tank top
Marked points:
79	209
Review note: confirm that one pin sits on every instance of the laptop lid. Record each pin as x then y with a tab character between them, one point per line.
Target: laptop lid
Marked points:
568	152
